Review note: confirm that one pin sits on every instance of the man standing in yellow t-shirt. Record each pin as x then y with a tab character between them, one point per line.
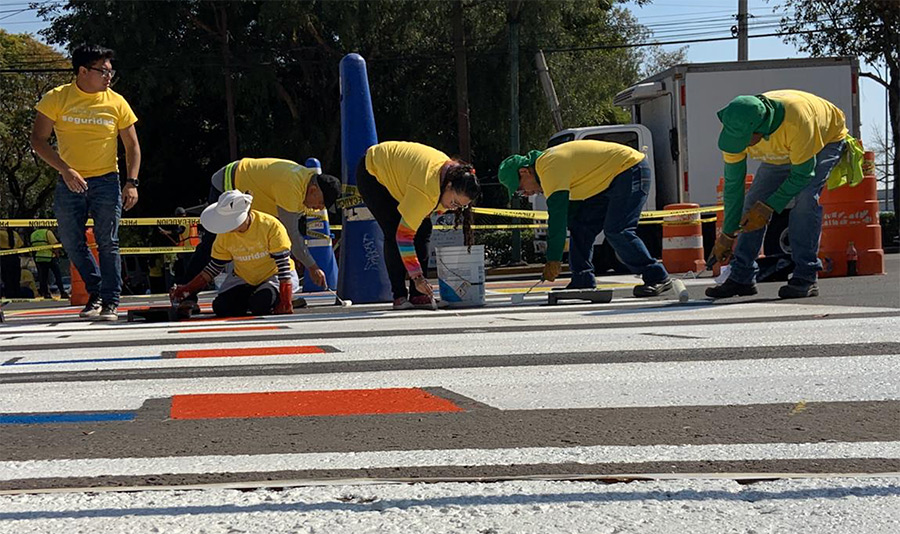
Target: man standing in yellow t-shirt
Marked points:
88	117
799	138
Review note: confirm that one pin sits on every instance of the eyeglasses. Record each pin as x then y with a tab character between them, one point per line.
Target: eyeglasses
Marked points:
106	73
455	205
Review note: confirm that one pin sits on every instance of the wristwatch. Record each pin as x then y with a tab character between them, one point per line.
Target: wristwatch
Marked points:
133	181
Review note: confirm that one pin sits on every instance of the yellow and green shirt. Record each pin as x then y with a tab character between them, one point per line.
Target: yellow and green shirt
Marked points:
87	126
576	171
251	250
43	237
810	122
274	183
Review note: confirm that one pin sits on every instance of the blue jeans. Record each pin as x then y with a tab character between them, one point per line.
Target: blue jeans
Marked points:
103	202
615	211
804	226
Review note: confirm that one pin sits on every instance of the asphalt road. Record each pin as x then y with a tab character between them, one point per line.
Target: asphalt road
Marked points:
629	388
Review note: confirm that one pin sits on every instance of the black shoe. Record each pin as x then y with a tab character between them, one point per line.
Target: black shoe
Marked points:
298	302
798	289
63	295
731	289
652	290
108	312
46	296
92	308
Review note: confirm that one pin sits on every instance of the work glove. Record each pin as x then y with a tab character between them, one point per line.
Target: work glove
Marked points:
285	305
318	276
551	270
179	293
756	217
423	286
722	250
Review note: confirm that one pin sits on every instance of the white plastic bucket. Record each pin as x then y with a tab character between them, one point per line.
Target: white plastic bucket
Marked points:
461	275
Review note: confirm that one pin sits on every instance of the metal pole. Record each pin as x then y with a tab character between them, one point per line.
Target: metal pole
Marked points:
742	30
514	115
549	90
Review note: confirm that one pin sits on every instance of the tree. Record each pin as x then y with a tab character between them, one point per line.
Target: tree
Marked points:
281	62
866	28
26	184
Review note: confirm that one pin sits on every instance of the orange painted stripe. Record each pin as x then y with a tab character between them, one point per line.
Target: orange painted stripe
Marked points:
228	329
254	351
308	403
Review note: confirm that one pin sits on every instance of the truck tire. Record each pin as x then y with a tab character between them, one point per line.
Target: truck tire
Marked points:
777	240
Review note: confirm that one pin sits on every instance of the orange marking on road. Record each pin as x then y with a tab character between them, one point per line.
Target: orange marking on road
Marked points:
253	351
309	403
228	329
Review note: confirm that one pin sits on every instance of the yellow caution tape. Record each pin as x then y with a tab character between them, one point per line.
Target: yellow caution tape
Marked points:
543	215
155	250
25	250
143	221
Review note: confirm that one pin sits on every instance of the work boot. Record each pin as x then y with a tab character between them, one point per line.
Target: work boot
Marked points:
652	290
798	289
92	308
402	303
108	312
731	289
298	302
63	295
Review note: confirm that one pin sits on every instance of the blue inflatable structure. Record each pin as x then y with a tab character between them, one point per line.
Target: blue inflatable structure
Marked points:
362	276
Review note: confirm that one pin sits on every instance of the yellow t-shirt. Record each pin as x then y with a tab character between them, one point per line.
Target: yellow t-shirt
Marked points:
411	172
274	183
6	244
250	250
810	123
583	168
87	126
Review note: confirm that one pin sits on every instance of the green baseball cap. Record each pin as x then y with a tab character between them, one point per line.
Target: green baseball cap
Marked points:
508	174
740	118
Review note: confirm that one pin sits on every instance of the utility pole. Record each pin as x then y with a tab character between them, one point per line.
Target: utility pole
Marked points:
549	90
513	22
462	82
742	33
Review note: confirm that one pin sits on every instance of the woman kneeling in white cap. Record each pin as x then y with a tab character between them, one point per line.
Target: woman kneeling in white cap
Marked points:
258	244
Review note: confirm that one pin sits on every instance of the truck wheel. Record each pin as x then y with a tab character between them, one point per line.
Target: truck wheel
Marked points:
777	240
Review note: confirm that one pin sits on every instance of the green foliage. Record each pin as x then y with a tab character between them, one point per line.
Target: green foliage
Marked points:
282	60
498	247
26	185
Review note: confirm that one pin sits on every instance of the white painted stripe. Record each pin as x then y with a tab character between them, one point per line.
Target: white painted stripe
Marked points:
614	385
37	469
676	243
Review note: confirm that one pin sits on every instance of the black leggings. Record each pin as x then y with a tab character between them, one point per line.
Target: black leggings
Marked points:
44	269
237	301
384	208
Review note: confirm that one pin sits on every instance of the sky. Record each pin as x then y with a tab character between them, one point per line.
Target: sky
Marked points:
668	19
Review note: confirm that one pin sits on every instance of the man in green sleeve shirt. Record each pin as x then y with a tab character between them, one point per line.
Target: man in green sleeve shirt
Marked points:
799	138
591	186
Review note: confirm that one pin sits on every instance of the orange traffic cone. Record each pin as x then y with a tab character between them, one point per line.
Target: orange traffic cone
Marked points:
78	296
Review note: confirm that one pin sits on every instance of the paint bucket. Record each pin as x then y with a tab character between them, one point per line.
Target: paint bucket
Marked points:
461	275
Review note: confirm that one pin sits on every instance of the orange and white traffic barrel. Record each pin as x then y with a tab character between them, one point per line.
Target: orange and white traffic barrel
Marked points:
850	214
682	242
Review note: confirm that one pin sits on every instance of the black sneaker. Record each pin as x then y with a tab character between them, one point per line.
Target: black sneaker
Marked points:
652	290
731	289
298	302
798	289
92	308
108	312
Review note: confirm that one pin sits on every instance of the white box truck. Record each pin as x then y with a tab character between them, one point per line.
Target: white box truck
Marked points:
675	123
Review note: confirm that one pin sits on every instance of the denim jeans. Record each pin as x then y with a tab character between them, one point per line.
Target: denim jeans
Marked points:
804	225
615	211
103	202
